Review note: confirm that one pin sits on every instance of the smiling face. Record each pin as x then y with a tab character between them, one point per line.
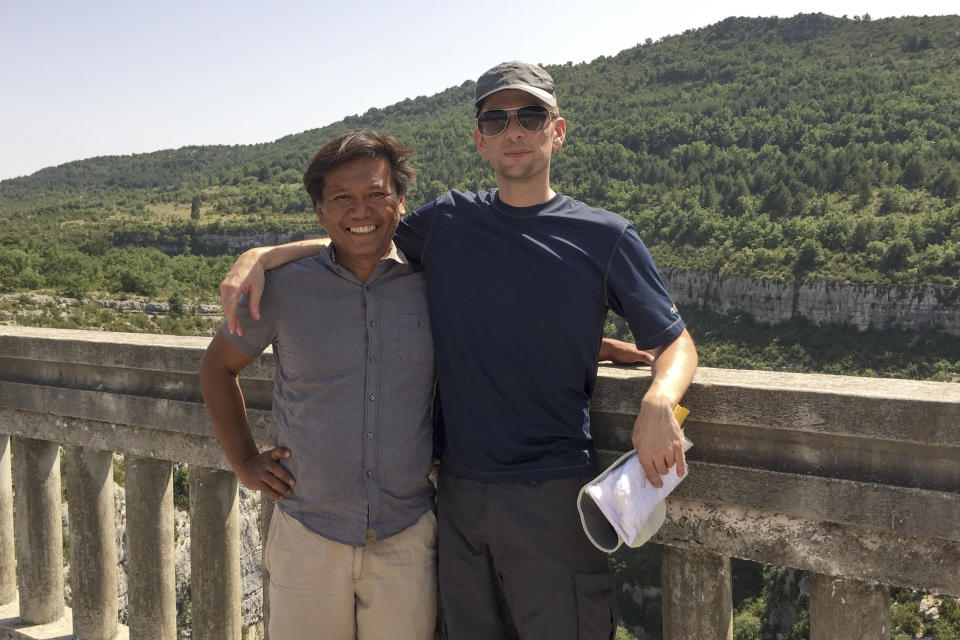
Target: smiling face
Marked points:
360	209
519	158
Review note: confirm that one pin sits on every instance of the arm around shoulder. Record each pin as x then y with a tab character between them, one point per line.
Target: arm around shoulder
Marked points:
246	276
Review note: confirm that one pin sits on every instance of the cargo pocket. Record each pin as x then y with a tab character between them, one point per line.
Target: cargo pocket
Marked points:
596	606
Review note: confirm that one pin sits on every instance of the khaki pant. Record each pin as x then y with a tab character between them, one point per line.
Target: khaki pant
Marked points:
320	589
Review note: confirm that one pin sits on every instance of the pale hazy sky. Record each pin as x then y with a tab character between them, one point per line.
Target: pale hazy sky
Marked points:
111	77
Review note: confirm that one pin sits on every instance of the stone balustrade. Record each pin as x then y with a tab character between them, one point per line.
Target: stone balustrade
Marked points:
856	480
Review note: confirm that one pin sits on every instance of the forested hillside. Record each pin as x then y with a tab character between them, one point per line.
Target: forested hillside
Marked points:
810	147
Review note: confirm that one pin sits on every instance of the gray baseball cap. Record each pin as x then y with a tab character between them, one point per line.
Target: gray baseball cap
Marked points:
516	75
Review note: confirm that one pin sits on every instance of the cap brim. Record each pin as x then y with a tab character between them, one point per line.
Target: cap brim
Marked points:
547	98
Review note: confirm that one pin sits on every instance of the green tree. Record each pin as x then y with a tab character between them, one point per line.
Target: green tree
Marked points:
898	253
946	185
808	255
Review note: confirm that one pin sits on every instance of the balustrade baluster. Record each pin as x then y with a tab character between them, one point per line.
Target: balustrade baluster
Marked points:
849	609
152	588
214	554
39	529
93	543
697	595
8	564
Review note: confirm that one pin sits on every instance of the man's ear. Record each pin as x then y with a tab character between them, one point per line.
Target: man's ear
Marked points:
316	208
480	143
559	133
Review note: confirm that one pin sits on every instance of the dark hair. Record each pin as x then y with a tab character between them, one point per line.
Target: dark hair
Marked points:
362	143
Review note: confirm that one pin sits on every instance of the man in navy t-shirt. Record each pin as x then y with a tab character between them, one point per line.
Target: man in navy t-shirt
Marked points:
519	282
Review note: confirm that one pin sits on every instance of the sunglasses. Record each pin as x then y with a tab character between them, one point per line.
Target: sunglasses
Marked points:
495	121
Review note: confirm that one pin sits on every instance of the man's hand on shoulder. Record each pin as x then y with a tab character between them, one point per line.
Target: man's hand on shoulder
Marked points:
263	472
620	352
246	276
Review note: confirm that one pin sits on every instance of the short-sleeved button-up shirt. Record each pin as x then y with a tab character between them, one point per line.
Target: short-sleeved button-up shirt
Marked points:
353	392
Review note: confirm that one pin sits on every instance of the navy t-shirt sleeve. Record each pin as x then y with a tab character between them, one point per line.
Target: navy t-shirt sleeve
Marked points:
257	334
414	231
636	292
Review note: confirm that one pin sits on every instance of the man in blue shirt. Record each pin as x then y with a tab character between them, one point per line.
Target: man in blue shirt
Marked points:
519	282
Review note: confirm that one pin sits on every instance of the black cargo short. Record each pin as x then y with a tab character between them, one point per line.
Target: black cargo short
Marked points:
514	563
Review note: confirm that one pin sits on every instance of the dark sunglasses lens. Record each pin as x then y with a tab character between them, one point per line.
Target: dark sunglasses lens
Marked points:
533	118
492	122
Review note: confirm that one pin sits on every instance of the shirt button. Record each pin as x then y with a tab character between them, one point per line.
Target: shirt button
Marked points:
371	397
373	359
369	436
369	474
373	323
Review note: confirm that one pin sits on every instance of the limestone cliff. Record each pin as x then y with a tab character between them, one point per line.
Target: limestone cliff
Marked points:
771	302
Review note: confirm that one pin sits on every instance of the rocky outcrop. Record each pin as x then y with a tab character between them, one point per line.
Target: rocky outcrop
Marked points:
131	306
772	302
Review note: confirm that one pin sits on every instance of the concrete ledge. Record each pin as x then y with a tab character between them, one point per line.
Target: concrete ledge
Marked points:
905	510
111	349
836	455
122	438
876	408
859	553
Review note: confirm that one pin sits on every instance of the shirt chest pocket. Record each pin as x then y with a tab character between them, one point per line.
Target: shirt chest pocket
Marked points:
414	339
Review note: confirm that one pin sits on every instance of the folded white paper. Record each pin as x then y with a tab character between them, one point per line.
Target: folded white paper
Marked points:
631	509
628	499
